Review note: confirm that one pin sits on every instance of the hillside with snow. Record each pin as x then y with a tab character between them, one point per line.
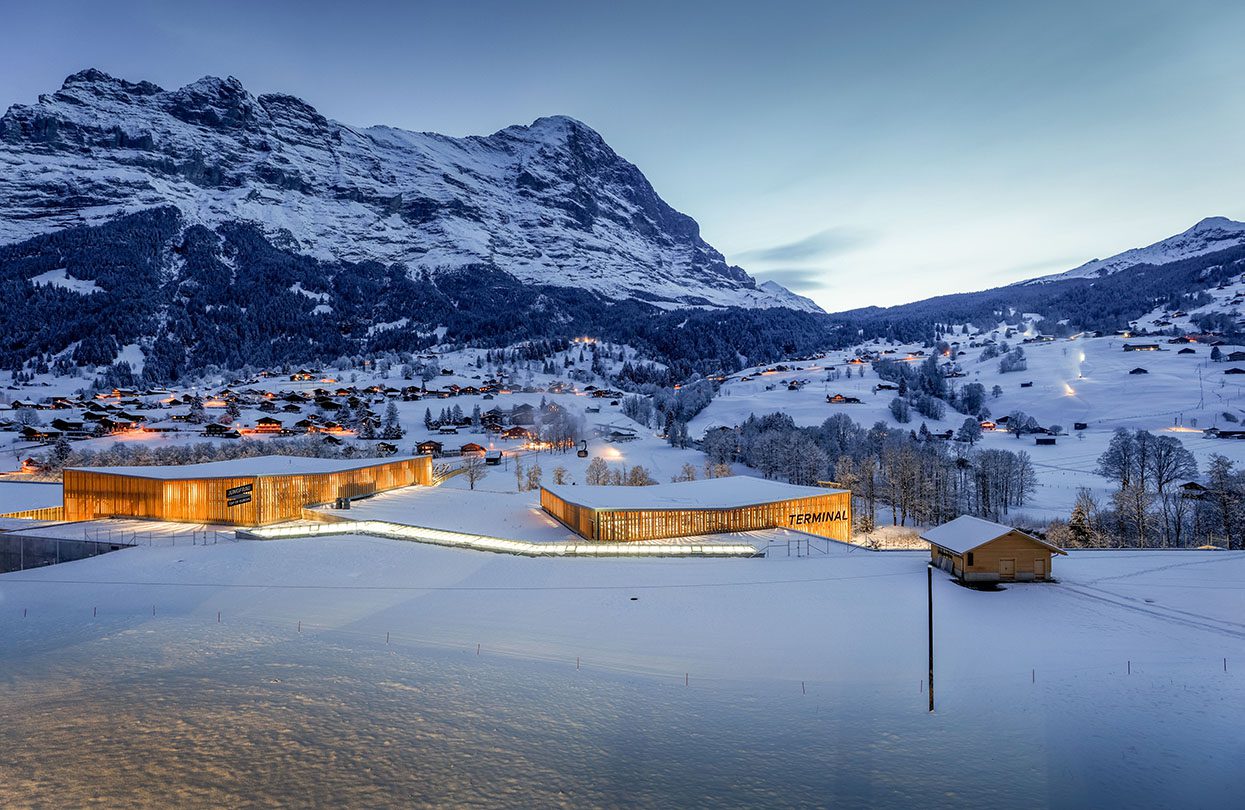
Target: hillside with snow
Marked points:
1208	236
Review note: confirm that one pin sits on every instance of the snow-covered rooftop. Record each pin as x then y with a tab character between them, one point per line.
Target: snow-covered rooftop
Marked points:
966	533
244	467
710	493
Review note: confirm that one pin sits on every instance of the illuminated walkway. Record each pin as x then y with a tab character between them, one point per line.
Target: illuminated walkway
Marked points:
525	548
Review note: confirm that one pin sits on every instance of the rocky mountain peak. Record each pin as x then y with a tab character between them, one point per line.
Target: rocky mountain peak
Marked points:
547	203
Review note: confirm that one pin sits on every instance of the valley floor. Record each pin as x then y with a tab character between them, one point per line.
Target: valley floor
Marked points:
355	669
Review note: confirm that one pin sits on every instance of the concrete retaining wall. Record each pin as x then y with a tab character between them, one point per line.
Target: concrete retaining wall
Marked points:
19	552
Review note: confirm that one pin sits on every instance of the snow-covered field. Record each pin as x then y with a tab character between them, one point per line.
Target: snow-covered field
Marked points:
1083	380
346	670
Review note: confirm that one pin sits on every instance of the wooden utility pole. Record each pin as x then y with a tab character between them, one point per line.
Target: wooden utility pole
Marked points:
929	590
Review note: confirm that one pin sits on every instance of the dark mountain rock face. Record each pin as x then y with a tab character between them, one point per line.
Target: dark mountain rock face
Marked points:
549	203
205	225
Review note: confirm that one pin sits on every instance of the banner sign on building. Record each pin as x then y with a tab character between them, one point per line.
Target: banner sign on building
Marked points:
244	489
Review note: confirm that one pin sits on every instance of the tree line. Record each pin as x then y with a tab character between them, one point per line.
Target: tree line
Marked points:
918	481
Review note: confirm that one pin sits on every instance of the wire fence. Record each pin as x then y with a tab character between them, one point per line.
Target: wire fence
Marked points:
1145	670
157	537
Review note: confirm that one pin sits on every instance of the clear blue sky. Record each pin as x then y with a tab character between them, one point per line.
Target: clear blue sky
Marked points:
859	152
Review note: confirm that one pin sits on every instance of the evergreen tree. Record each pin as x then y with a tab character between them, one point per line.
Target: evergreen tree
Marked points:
391	428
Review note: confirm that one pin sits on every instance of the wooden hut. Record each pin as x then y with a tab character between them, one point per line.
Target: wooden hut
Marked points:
976	550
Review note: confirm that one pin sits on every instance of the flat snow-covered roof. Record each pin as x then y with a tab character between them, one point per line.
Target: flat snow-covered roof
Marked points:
244	467
966	533
711	493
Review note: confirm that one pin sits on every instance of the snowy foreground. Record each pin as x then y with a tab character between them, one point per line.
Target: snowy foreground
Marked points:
346	670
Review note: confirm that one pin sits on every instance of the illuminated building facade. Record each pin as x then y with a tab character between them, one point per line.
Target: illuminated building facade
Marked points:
245	492
712	506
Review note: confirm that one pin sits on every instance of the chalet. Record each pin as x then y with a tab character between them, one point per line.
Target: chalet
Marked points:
1236	357
472	449
1218	433
292	408
1193	490
39	433
839	399
1027	384
1235	370
429	448
1080	426
113	425
447	430
1141	347
885	386
1045	441
268	406
493	457
976	550
987	424
32	466
523	414
1139	370
74	428
267	424
1187	350
386	449
520	433
219	431
330	439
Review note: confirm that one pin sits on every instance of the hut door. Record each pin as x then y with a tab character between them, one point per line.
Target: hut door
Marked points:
1007	569
1039	568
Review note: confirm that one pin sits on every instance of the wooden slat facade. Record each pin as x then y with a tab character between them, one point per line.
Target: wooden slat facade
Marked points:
274	498
1012	557
41	513
828	515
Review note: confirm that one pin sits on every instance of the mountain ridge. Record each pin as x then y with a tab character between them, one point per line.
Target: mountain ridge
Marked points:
1208	235
549	202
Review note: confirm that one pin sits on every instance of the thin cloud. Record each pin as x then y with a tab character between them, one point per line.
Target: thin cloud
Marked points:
1037	269
797	279
830	242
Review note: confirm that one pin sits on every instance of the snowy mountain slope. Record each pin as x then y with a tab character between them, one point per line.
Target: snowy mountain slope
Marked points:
1208	236
549	203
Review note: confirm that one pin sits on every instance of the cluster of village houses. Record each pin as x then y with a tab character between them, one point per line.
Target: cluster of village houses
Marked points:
285	412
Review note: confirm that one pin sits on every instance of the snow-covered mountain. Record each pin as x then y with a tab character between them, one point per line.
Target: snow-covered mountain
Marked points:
549	203
1208	236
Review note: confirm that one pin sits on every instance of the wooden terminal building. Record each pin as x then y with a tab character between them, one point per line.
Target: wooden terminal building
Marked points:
244	492
711	506
976	550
